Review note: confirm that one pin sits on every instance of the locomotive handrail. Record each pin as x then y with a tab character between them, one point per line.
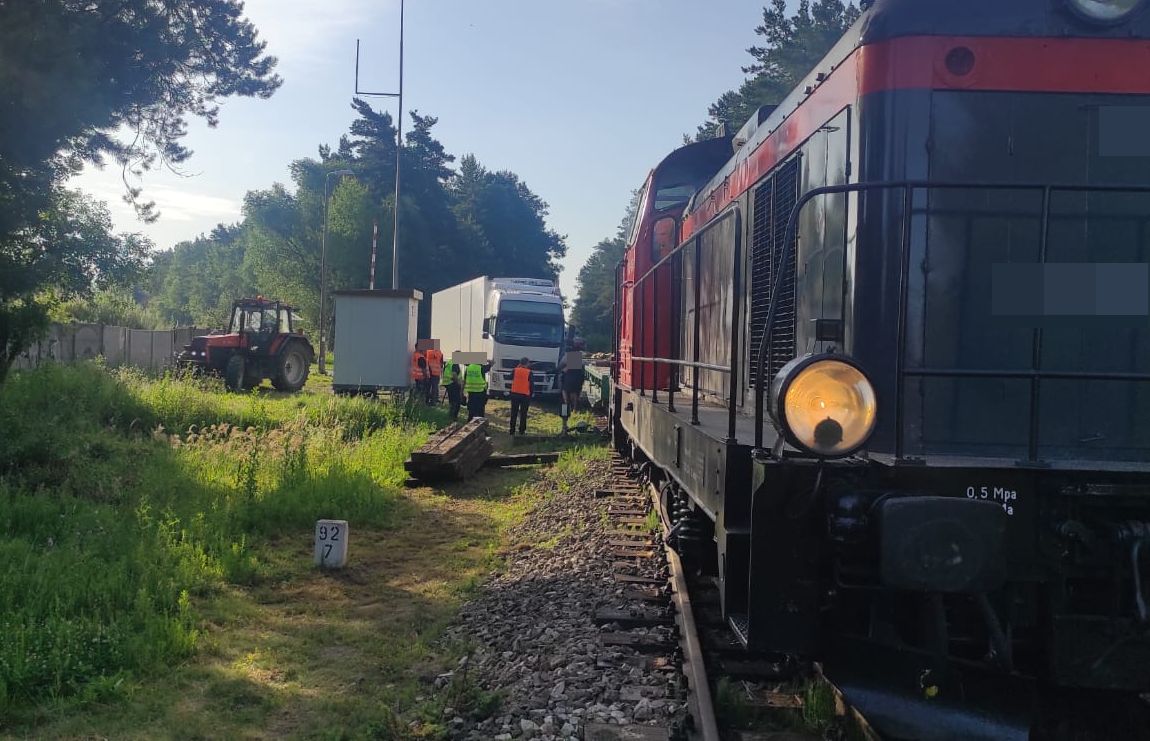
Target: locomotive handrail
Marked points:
790	250
696	241
688	363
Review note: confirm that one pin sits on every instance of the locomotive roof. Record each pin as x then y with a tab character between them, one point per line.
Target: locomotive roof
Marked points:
889	19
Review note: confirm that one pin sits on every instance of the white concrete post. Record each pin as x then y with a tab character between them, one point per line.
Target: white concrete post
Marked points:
331	543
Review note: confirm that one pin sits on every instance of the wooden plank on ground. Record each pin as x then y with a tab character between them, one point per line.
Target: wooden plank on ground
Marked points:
631	553
633	618
458	439
632	579
629	511
451	454
612	732
646	594
639	642
521	459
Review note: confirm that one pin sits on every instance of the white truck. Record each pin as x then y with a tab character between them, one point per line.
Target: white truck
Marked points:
507	319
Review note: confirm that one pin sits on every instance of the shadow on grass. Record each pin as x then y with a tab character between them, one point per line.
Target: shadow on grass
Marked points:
305	651
117	539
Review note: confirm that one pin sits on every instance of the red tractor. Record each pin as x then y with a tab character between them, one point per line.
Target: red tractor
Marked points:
260	343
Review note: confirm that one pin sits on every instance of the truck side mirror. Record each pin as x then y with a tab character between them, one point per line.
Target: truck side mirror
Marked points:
486	325
487	335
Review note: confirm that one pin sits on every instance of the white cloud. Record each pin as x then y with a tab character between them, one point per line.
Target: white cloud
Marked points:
186	205
300	32
174	204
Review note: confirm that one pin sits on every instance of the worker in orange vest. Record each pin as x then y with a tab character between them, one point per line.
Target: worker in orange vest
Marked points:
419	373
522	389
435	368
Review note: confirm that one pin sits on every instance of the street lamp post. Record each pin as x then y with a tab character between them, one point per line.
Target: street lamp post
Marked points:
323	273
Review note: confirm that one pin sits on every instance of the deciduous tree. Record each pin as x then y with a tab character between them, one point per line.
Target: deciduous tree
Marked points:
73	73
594	308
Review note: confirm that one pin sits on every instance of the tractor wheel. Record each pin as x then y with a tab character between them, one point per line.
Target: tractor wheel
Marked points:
252	379
292	367
234	373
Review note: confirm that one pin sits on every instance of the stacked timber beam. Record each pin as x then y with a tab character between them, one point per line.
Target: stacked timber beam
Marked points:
453	453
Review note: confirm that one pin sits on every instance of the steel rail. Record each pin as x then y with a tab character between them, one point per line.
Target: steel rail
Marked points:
702	705
699	700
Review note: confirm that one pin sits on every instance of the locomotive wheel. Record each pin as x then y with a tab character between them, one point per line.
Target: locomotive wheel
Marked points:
292	368
234	373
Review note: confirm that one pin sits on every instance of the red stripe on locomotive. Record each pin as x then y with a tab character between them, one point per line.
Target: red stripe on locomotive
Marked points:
919	62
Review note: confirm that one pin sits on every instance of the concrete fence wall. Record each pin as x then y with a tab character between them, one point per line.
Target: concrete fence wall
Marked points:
142	348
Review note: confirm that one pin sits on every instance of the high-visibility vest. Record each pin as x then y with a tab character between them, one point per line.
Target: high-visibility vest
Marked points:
435	362
448	372
416	371
521	381
473	378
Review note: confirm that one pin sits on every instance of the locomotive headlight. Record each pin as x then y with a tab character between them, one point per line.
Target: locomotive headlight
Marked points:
824	404
1105	11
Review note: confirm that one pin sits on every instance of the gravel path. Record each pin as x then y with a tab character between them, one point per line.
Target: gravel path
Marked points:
533	635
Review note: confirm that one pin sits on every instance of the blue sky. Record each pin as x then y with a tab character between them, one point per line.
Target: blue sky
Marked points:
580	98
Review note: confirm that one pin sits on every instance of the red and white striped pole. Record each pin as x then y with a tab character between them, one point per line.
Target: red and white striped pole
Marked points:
374	239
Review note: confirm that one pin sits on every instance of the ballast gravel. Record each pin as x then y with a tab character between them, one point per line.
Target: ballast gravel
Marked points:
533	639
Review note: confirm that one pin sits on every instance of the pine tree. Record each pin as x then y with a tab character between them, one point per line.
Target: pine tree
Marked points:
74	74
792	46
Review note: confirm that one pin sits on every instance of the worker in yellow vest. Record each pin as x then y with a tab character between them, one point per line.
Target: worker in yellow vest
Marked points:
435	369
522	389
475	384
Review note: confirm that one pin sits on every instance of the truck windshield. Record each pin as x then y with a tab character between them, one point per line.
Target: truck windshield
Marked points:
533	331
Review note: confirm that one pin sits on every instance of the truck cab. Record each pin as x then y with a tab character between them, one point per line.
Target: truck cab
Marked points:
524	320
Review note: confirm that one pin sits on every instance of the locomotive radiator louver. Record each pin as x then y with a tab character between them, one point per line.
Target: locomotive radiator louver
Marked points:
824	404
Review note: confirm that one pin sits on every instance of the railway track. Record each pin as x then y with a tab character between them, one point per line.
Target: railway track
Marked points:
675	619
737	696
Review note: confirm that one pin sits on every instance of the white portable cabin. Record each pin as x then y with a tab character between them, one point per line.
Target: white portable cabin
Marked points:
375	333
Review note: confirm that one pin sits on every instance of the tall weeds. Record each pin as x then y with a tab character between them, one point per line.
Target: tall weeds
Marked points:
122	498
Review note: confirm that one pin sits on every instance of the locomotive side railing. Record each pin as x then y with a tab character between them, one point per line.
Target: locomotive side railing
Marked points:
674	260
909	187
617	321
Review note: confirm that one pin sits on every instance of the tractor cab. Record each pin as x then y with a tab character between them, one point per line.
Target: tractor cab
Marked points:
261	342
257	322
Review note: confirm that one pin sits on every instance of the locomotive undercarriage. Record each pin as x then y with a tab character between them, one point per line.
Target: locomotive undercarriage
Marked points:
909	576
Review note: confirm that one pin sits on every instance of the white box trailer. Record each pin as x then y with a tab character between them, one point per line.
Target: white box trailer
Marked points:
457	315
375	334
507	319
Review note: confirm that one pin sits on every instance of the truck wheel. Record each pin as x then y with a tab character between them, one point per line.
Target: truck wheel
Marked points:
292	368
234	373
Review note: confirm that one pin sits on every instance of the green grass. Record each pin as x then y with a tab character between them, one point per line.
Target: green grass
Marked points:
124	499
156	577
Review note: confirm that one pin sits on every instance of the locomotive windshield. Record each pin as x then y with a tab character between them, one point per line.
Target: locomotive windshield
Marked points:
996	303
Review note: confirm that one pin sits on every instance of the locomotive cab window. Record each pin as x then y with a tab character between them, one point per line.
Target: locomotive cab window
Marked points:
663	239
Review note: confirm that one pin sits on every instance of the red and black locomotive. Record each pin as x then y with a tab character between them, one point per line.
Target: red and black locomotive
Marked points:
886	353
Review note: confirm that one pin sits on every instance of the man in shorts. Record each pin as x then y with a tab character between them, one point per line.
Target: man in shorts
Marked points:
571	386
